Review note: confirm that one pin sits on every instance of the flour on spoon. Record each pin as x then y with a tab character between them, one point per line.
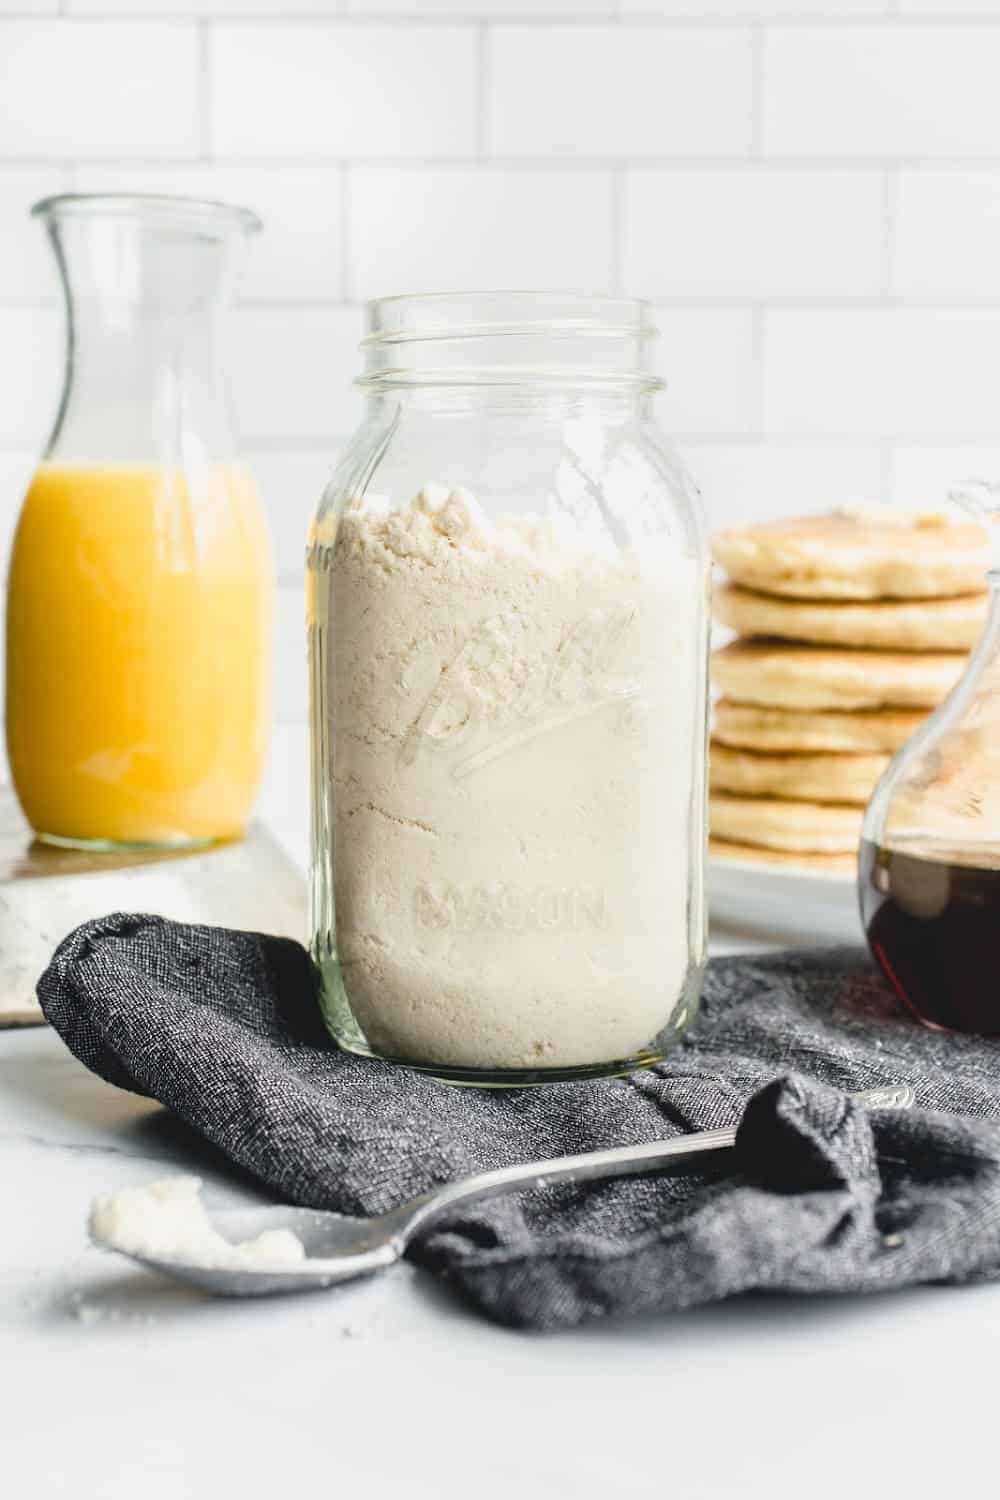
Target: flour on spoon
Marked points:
166	1220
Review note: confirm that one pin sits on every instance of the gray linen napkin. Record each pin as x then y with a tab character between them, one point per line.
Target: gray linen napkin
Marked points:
222	1028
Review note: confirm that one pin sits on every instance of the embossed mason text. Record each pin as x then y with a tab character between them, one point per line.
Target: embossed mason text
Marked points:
506	908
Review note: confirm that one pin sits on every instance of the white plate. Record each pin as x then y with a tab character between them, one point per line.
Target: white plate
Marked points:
785	903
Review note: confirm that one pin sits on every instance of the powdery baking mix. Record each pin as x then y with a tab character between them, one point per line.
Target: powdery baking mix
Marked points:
512	713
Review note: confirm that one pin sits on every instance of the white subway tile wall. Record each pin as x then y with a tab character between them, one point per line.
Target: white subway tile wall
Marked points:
30	358
707	357
308	91
754	10
747	478
897	371
947	234
293	370
98	88
809	190
27	271
754	232
869	92
626	91
938	470
456	228
297	259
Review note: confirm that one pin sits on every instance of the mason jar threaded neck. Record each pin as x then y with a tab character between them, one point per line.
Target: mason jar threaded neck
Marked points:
546	339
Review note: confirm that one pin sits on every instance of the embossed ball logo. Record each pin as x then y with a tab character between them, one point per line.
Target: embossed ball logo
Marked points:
492	698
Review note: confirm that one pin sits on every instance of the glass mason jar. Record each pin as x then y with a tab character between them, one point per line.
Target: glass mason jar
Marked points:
507	603
140	593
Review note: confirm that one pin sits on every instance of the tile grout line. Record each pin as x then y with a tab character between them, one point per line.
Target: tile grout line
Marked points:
22	449
871	303
483	87
204	90
529	20
890	195
722	438
544	162
757	43
758	345
346	239
618	227
886	461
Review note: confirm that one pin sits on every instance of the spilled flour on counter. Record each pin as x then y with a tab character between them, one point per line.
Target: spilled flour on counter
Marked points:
515	715
167	1220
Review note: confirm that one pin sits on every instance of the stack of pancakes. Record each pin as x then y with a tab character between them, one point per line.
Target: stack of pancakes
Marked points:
850	628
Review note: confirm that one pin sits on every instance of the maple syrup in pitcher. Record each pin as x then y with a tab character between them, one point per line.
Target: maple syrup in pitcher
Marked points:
929	863
932	920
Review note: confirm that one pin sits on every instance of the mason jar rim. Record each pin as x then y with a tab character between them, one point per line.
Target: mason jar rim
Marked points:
505	337
527	311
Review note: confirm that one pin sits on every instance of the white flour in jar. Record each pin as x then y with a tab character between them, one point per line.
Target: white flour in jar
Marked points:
514	718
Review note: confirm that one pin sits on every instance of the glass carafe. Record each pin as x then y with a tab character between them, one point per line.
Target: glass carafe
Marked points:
140	592
929	871
507	592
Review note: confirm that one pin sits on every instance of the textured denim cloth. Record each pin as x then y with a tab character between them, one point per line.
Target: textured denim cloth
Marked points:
222	1027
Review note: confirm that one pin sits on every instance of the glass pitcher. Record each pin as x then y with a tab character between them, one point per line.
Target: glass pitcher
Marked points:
140	594
507	592
929	870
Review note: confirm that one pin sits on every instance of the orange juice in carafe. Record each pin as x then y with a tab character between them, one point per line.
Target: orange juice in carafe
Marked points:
140	594
139	607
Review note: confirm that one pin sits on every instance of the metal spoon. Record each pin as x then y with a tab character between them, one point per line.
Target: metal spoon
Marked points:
339	1248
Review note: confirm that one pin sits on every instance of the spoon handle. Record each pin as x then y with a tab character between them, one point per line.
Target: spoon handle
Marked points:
616	1161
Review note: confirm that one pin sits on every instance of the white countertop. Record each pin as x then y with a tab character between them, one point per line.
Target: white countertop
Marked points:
114	1384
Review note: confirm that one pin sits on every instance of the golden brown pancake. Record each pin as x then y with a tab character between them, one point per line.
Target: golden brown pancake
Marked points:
880	553
749	726
889	625
803	778
780	675
807	827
